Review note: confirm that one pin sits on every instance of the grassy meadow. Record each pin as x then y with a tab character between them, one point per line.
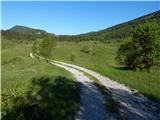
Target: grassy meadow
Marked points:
102	60
32	87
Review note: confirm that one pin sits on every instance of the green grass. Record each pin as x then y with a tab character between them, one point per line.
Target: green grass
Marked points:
18	68
19	71
104	62
19	91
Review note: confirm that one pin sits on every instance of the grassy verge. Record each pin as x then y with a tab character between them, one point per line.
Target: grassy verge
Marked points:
33	89
103	61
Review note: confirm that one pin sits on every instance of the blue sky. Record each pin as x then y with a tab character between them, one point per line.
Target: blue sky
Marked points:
72	17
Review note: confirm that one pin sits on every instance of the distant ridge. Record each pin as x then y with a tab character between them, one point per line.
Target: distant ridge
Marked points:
116	32
124	29
23	29
24	33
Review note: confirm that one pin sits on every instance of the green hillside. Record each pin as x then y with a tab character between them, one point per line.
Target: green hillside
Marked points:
124	29
23	29
23	33
119	31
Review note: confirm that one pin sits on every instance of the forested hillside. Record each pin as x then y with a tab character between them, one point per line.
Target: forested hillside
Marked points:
116	32
24	33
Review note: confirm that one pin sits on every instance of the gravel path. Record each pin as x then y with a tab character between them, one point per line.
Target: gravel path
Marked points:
92	107
133	107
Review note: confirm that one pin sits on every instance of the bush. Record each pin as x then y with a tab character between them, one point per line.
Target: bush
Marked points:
88	49
141	52
72	57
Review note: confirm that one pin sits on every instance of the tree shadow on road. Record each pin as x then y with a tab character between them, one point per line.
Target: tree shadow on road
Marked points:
135	106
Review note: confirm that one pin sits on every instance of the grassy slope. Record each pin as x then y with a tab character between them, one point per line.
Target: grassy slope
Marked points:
104	62
18	71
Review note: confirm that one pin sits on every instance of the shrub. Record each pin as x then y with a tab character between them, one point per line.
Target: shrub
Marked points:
72	57
86	49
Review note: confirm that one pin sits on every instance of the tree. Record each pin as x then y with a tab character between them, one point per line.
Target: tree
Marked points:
142	50
45	46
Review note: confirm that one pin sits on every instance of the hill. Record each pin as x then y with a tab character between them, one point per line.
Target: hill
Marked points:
122	30
119	31
23	33
23	29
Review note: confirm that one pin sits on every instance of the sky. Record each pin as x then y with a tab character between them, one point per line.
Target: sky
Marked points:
70	18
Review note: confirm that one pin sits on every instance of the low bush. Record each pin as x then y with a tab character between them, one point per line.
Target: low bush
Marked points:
72	57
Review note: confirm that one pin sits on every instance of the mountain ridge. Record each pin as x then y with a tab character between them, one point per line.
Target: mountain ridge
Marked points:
125	29
118	31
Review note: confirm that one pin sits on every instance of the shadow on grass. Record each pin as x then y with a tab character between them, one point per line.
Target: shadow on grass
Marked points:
49	99
120	68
